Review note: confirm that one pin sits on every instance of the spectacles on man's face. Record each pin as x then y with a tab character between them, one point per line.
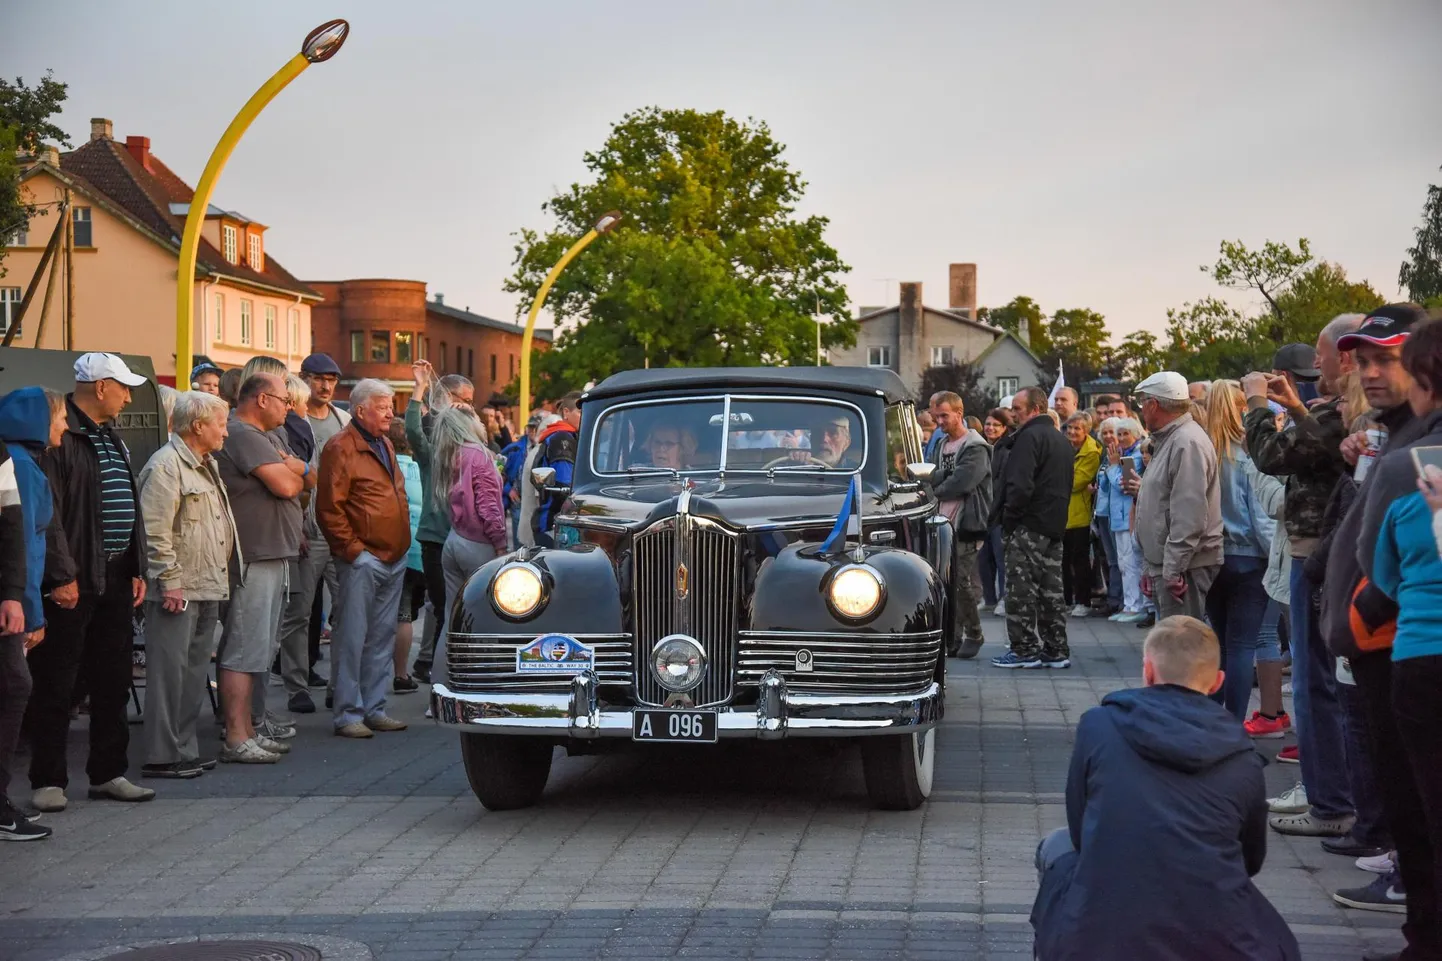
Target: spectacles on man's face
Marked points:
284	400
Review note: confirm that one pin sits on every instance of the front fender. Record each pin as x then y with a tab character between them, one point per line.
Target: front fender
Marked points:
790	593
582	595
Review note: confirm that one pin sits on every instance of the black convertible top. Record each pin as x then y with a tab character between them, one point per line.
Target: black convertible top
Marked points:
876	381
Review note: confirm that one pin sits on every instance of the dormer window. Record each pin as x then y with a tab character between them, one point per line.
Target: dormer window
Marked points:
229	243
253	253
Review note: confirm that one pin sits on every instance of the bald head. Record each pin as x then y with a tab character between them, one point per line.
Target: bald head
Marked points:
1182	651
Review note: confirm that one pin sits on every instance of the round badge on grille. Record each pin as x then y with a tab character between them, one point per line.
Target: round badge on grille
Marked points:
221	951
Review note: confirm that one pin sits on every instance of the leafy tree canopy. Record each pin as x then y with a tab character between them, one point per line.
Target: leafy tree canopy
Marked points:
1010	316
964	380
711	265
25	114
1421	273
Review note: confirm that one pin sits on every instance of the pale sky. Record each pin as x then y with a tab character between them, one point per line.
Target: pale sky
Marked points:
1086	153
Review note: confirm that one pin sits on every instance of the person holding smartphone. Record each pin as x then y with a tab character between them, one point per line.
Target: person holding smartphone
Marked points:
1121	474
190	540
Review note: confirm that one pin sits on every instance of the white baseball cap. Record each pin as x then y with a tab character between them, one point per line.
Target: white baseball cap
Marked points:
1165	385
98	366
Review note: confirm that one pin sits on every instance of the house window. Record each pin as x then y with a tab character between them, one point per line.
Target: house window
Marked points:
941	356
293	323
878	357
513	365
357	346
220	318
380	347
227	242
1006	386
442	367
405	340
252	254
423	348
269	327
245	323
470	363
80	218
493	368
10	298
21	236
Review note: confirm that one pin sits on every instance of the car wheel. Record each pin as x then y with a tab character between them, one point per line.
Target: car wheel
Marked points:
506	772
899	769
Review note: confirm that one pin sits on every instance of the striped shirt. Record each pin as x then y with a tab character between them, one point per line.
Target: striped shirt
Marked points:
117	492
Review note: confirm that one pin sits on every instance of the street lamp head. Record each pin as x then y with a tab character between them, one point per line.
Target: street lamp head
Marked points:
325	41
608	220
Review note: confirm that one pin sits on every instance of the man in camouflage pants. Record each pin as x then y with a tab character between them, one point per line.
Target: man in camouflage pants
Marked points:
1031	507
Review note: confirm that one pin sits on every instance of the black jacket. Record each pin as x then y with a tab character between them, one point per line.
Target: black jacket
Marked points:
1036	483
1167	810
75	543
12	533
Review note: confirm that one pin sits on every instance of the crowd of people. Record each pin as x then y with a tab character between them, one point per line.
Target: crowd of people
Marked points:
348	514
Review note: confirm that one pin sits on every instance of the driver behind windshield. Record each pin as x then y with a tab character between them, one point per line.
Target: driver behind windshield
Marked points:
669	447
835	442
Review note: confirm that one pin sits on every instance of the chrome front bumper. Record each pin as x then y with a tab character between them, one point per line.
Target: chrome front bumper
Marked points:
777	713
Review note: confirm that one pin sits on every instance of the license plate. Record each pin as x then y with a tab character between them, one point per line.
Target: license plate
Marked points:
673	725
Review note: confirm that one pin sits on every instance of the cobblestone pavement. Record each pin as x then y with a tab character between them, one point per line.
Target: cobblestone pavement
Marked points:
748	851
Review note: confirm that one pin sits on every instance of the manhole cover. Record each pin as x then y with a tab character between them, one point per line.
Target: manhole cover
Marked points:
222	951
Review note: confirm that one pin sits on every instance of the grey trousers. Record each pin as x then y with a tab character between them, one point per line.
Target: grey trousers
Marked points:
460	558
295	619
177	662
363	636
252	626
1199	582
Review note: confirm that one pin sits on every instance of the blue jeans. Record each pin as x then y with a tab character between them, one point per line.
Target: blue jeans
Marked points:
1236	605
1317	715
992	566
1269	642
1103	526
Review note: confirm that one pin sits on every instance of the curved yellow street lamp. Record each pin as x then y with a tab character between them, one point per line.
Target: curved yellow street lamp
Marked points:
320	45
604	225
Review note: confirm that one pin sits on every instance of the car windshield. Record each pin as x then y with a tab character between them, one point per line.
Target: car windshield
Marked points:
735	433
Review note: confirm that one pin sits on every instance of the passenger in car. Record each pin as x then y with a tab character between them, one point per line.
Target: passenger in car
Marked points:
669	447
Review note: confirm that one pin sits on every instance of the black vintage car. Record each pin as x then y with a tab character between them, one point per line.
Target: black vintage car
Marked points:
744	553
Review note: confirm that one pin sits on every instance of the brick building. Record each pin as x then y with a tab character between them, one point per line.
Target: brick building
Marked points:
378	328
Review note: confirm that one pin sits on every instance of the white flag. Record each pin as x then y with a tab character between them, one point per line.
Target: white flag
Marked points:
1060	383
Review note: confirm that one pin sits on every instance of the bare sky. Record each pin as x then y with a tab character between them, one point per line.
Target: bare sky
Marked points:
1086	153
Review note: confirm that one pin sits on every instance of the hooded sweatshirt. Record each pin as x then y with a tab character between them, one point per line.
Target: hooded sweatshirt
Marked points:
1167	810
962	482
25	429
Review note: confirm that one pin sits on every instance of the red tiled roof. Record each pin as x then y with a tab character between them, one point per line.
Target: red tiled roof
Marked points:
147	195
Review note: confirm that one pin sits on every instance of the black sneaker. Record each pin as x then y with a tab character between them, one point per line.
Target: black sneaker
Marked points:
405	685
329	701
1350	847
204	763
300	703
315	680
1147	622
1383	894
180	770
1056	663
421	671
966	650
14	826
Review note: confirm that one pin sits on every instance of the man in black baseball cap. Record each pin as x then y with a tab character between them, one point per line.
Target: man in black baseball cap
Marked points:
1378	346
1299	360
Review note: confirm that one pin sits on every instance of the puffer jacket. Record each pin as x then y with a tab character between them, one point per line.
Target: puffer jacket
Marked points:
1309	455
415	497
190	535
1084	474
1179	509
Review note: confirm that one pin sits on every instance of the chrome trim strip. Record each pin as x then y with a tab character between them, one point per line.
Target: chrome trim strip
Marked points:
842	635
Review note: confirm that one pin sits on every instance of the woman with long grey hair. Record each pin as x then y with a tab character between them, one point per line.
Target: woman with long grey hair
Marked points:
464	475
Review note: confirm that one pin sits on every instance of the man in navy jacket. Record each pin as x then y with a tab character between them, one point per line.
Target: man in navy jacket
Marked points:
1166	824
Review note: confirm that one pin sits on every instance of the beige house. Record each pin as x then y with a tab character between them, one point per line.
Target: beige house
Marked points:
128	211
910	337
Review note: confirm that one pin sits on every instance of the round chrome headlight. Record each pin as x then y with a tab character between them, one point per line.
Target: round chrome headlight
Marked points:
678	663
856	592
517	590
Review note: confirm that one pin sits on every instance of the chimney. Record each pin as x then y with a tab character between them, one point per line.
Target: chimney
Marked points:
139	148
101	129
963	288
440	298
48	154
1023	331
910	334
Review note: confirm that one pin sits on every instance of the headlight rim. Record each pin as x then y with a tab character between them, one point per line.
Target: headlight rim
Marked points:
657	676
830	585
543	594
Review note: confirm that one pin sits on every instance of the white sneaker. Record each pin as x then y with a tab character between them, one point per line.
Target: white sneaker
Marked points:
1287	689
1081	610
1290	802
982	606
1000	609
1378	864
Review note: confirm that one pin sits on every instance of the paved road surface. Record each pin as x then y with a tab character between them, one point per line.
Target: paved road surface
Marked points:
746	852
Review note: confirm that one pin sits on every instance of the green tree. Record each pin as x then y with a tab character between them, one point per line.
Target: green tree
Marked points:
1010	316
1137	357
1080	340
1421	273
1211	338
964	380
25	125
1318	294
711	265
1268	271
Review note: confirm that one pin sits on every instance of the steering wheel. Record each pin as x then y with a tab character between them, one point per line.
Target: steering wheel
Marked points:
787	459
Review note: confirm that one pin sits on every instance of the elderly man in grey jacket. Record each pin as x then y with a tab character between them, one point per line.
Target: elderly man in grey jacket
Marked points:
1179	508
962	483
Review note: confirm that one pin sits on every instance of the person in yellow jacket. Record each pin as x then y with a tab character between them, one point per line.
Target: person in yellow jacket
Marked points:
1076	555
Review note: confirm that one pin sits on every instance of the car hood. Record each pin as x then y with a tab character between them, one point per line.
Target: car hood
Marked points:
744	502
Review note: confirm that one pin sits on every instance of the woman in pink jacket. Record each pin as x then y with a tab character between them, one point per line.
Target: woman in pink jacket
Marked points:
464	475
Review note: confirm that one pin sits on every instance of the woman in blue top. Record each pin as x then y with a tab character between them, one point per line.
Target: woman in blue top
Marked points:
1237	602
1125	445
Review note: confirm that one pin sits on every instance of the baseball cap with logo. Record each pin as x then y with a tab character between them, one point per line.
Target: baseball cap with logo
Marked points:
1164	385
97	366
1388	326
1299	360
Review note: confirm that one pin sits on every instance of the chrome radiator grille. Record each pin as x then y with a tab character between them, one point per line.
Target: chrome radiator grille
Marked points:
484	663
841	663
702	602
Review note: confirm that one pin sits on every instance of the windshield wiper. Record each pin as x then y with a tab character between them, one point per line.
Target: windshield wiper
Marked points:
636	469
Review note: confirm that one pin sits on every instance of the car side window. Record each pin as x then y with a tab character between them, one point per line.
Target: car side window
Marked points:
898	451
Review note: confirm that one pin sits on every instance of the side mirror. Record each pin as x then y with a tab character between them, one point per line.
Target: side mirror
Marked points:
920	471
542	477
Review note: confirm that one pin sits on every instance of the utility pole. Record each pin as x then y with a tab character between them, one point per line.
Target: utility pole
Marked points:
69	274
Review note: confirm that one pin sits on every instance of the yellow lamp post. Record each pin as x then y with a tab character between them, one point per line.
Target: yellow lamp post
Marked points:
320	44
602	226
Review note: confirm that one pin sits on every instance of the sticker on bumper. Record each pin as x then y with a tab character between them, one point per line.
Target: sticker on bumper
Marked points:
555	654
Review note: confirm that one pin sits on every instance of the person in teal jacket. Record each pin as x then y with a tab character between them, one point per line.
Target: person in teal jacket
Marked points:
434	525
413	594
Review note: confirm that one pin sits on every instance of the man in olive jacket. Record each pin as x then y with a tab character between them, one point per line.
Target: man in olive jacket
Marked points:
962	483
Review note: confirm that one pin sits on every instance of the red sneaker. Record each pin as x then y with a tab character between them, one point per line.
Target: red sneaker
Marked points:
1265	727
1288	755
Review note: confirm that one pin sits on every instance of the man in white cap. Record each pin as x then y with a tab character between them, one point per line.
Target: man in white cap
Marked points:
95	541
1179	508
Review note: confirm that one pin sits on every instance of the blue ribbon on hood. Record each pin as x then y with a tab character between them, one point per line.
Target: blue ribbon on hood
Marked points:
848	504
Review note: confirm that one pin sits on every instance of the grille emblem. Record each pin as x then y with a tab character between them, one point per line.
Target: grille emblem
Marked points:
683	581
804	662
